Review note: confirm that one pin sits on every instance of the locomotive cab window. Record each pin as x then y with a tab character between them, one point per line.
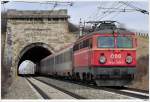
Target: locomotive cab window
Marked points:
124	42
105	42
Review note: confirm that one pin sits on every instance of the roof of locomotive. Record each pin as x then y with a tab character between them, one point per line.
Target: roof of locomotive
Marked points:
119	31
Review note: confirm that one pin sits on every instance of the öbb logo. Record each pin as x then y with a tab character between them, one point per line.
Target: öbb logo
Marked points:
115	56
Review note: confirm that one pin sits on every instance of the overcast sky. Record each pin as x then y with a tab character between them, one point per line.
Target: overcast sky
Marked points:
88	10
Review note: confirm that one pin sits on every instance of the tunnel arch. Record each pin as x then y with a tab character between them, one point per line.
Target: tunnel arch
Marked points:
34	52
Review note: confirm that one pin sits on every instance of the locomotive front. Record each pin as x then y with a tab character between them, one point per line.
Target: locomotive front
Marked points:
114	58
110	58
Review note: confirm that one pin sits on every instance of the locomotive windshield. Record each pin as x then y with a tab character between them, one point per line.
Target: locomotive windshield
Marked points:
124	42
109	42
106	42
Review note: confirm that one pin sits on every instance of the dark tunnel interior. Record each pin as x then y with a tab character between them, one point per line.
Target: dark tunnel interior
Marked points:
35	54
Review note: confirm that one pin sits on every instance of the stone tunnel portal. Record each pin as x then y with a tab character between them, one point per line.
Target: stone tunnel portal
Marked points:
34	53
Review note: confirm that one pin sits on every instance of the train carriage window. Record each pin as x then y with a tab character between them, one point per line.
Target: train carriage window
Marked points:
57	59
76	47
67	56
70	53
53	62
81	45
85	44
49	62
60	58
90	43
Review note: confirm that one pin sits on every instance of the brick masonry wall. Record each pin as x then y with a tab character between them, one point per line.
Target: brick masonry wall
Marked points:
25	32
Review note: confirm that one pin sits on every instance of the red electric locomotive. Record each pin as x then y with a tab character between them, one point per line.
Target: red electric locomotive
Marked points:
107	56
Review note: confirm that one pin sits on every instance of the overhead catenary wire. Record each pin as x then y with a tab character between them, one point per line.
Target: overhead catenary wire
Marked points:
122	8
95	14
47	2
117	13
135	8
103	15
117	5
97	17
132	8
54	3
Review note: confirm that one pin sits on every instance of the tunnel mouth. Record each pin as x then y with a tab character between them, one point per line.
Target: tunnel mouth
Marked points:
34	54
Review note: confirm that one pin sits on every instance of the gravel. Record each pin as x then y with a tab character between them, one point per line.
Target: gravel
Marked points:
20	89
84	91
51	92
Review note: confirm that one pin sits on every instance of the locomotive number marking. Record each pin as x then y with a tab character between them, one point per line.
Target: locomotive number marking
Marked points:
117	62
115	56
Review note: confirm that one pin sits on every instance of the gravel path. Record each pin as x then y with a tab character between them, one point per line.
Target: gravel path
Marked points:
20	89
84	91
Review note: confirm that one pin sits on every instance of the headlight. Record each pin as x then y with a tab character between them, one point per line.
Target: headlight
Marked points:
128	59
102	59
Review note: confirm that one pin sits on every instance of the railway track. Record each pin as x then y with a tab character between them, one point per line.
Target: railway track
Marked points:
46	95
41	92
136	93
127	92
131	92
138	90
